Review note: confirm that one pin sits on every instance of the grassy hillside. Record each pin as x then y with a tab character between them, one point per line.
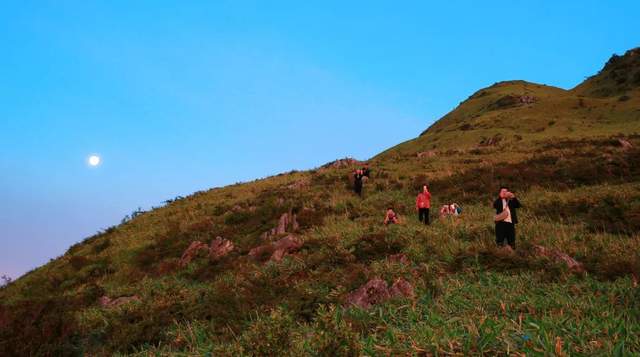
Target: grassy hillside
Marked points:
572	157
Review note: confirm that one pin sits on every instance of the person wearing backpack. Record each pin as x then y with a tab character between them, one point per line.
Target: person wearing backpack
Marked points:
506	218
423	204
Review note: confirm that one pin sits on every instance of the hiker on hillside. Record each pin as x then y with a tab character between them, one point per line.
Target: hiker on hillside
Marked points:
450	210
391	217
366	172
357	182
423	204
506	218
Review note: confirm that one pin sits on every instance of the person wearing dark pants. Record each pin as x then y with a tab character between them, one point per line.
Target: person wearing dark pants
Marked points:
506	206
357	182
505	231
423	215
423	203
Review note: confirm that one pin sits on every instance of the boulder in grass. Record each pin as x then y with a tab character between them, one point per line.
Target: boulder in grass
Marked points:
430	153
402	288
108	302
195	249
261	251
560	257
287	223
219	248
298	185
376	291
283	222
626	145
399	258
278	249
284	246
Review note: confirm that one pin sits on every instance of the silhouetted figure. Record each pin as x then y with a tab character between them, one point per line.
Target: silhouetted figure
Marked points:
357	183
366	172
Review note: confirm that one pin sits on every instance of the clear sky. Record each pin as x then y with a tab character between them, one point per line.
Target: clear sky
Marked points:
179	96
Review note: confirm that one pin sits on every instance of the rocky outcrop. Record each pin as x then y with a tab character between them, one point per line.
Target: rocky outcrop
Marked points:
527	99
430	153
373	292
341	163
195	249
287	223
219	248
376	291
284	246
625	144
559	257
108	302
299	184
399	258
278	249
491	141
402	288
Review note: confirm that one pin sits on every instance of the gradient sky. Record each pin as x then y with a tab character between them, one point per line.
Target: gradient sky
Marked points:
178	98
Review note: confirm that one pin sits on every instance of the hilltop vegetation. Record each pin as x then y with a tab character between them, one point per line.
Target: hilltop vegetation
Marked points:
572	157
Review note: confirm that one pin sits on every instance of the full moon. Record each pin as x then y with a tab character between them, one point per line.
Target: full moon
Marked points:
94	160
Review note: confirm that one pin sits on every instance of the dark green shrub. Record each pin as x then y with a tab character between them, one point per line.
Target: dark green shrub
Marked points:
376	246
78	262
333	335
101	245
308	218
269	335
237	217
419	181
37	327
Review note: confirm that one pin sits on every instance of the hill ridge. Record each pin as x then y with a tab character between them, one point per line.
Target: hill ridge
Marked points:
295	250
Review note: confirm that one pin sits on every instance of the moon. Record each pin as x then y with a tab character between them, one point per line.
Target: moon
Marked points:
94	160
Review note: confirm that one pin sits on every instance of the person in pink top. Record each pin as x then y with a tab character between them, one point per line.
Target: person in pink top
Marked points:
423	204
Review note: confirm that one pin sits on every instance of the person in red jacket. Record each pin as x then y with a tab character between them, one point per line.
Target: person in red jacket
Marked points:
423	203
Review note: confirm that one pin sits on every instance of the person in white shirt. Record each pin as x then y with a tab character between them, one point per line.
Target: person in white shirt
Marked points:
506	217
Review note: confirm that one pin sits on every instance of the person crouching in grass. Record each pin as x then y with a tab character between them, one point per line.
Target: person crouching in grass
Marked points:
391	217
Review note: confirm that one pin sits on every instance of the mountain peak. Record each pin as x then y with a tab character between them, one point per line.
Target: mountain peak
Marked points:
619	75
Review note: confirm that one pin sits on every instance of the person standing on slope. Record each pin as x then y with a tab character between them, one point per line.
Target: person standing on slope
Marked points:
357	182
506	218
366	172
423	204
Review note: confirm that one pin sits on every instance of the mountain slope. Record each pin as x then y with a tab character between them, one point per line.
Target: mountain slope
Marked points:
621	74
571	156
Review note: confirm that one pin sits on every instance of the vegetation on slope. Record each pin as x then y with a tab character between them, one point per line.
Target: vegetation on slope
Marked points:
580	188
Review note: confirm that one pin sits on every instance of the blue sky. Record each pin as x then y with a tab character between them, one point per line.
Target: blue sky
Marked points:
182	96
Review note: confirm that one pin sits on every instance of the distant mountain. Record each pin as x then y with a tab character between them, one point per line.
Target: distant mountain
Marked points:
303	266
